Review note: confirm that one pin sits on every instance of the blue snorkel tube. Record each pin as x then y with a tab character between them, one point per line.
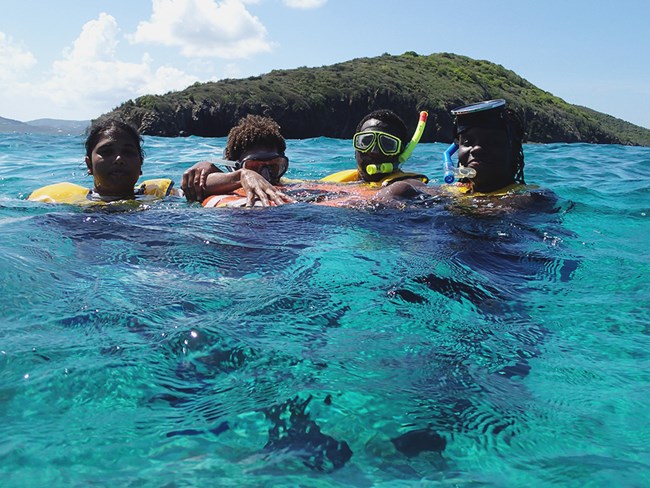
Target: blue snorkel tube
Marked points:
447	165
452	172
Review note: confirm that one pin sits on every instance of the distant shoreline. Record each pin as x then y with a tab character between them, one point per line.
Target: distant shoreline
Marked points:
44	126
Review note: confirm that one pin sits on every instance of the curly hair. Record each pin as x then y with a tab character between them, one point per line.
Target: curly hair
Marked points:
104	126
391	118
250	131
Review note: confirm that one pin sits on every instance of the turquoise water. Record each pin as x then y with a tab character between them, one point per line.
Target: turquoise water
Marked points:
312	346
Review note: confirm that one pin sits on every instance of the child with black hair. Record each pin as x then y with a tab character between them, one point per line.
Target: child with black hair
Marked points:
489	138
114	158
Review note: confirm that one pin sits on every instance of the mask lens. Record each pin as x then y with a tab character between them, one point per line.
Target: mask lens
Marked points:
363	141
276	166
389	145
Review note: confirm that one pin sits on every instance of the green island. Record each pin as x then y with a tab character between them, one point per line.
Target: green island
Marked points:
329	101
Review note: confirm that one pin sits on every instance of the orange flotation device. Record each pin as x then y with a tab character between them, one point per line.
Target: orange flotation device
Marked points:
234	199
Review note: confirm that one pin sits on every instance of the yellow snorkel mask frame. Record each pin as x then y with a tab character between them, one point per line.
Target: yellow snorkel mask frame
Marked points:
386	168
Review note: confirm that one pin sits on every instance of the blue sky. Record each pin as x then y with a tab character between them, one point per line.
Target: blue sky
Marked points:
78	59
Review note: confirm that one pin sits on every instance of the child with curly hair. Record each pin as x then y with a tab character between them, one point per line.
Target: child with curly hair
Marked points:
256	152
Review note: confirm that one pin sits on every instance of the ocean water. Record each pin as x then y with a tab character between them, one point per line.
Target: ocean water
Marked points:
309	346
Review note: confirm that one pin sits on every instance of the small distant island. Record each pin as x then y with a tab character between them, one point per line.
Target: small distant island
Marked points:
44	126
330	100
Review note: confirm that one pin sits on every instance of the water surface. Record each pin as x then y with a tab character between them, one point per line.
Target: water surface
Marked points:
303	345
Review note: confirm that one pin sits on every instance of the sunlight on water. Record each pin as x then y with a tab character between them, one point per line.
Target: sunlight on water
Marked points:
313	346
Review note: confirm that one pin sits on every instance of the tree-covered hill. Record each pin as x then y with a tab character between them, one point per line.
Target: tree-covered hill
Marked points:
330	100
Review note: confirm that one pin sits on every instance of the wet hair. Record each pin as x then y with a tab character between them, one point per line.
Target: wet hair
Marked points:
250	131
515	130
101	127
391	118
493	118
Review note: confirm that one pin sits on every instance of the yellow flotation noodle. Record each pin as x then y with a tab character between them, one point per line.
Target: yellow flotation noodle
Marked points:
345	176
74	194
60	193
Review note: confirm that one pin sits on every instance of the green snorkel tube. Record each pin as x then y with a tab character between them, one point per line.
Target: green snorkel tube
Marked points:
408	150
371	169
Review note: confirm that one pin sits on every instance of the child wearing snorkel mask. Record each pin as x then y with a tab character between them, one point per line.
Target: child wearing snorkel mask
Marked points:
381	145
256	161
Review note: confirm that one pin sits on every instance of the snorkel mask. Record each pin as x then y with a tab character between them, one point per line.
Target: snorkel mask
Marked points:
482	114
389	145
270	165
275	165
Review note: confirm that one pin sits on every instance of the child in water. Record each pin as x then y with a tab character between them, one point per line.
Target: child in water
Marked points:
114	158
489	138
255	151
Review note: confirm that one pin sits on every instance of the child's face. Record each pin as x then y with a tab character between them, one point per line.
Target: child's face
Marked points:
265	160
115	164
488	152
375	155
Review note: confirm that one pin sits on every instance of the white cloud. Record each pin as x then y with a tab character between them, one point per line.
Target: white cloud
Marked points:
304	4
97	41
13	58
89	79
165	79
204	28
91	69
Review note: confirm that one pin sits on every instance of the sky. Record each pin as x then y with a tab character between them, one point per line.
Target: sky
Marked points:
77	59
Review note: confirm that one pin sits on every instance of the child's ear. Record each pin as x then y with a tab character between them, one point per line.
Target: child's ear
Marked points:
89	165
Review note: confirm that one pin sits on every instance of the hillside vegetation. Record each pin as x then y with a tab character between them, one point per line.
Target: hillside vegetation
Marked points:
330	100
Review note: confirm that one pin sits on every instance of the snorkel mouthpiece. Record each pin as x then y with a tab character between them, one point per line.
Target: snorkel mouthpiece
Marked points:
408	150
464	172
373	169
452	172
